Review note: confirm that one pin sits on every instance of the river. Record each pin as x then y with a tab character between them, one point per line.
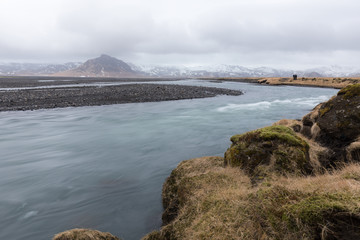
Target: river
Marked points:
103	167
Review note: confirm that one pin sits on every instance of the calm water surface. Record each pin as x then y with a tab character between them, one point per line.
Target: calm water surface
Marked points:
103	167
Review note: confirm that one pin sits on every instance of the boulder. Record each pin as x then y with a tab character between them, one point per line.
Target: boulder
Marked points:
274	149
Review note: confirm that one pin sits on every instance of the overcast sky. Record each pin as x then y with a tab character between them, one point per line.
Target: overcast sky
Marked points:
279	33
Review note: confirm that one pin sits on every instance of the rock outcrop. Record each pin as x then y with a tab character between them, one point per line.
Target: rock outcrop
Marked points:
336	125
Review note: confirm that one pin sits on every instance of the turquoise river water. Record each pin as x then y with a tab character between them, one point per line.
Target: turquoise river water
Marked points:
103	167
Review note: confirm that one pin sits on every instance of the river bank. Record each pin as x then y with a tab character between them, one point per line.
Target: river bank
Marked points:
338	82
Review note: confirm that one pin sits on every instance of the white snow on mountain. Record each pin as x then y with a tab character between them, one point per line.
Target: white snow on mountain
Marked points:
219	70
223	70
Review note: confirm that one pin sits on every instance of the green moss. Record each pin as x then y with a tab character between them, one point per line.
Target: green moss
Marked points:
324	110
281	133
314	209
350	91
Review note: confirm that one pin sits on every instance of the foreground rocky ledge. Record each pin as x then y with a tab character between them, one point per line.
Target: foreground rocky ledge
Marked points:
39	98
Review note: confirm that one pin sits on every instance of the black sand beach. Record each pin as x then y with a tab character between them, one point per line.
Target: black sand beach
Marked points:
55	96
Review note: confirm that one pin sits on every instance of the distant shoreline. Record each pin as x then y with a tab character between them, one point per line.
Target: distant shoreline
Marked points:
29	81
330	82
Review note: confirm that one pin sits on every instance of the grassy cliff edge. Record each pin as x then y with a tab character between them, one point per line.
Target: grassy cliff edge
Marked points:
286	181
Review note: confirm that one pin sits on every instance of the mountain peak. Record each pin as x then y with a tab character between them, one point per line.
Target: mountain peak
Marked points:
105	56
104	66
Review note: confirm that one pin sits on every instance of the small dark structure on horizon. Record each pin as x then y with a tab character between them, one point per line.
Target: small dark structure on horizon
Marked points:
295	76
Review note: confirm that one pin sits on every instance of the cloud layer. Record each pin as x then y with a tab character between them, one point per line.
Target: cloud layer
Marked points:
246	32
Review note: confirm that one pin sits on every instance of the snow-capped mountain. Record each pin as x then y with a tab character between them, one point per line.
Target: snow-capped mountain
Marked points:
203	71
109	66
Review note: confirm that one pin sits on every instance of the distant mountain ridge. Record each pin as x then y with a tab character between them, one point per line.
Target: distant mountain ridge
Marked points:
103	66
107	66
32	69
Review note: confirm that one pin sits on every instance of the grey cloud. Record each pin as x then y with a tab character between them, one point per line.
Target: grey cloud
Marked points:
261	33
213	31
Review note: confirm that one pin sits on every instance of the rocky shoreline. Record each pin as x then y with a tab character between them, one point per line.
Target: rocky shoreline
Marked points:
59	97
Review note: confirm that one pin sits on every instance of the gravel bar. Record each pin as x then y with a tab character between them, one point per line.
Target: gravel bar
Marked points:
31	99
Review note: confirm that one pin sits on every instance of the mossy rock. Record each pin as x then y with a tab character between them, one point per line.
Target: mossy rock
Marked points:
339	118
275	149
335	124
84	234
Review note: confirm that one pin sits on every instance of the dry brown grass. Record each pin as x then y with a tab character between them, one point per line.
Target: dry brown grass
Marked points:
221	203
291	123
318	82
345	180
353	151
